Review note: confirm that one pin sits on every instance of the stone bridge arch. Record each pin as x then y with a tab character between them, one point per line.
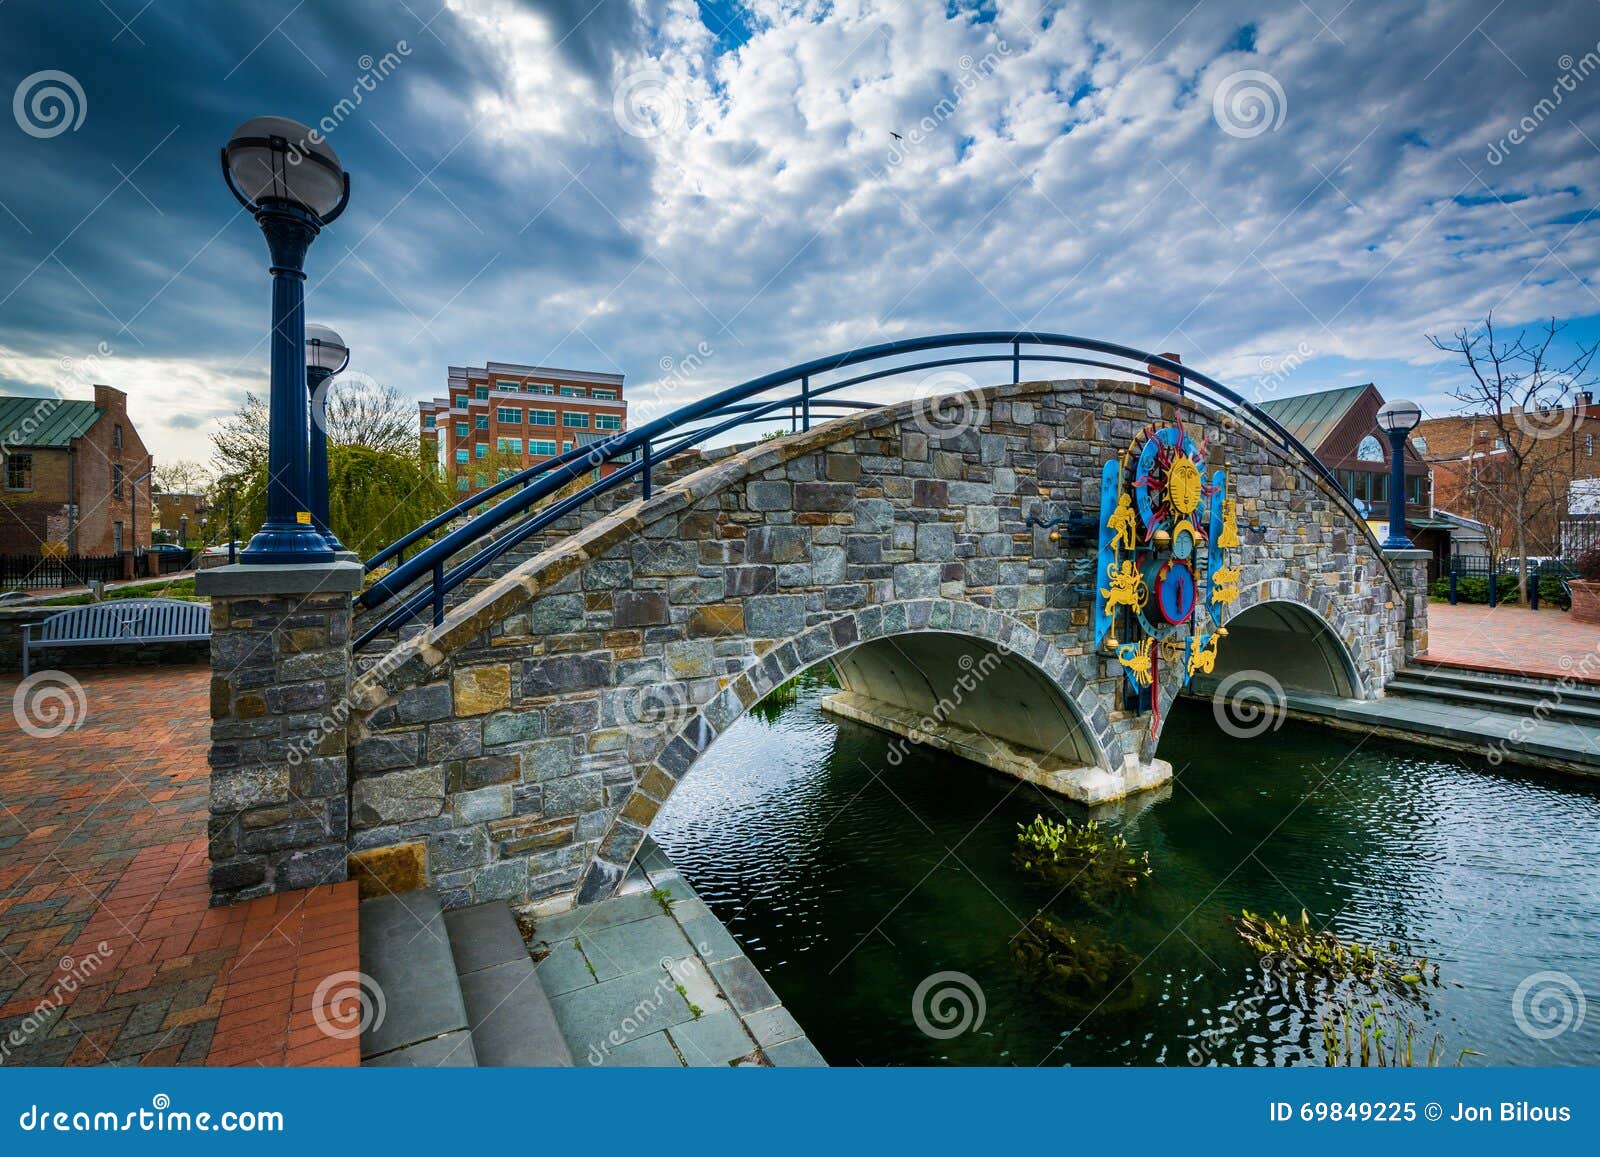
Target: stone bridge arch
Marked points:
506	753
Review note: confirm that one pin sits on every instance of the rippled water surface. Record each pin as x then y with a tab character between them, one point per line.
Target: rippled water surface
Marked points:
849	882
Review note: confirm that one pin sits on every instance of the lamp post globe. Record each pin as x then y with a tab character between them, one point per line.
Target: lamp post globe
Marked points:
292	183
326	355
1397	419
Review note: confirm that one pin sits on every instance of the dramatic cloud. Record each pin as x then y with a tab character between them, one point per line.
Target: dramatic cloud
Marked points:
626	186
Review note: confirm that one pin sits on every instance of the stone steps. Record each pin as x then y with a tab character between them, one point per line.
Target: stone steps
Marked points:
1509	694
456	989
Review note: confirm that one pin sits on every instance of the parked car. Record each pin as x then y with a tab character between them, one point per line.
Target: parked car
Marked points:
218	555
166	548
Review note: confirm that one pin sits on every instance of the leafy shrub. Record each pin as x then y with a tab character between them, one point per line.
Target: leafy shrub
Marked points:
1588	564
1475	588
1083	859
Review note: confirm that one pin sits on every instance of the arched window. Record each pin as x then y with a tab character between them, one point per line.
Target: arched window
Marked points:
1370	450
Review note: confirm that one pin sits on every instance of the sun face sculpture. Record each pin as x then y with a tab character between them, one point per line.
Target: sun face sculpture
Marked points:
1165	534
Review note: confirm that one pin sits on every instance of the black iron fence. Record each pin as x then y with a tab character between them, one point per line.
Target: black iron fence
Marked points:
1469	578
31	572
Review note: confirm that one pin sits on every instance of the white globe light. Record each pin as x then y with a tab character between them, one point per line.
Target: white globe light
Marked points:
277	159
325	349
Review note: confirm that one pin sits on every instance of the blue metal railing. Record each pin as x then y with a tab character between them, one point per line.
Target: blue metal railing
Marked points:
638	452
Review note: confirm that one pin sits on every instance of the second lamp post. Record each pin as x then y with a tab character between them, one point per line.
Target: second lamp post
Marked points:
326	355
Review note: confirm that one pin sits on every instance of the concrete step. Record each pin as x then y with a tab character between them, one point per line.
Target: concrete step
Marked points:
1538	685
1508	696
406	956
510	1017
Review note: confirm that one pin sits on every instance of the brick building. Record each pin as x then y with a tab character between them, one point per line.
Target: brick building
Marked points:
1468	453
504	417
76	476
173	507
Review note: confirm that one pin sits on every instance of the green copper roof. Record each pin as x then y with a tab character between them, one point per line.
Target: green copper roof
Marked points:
1312	417
44	421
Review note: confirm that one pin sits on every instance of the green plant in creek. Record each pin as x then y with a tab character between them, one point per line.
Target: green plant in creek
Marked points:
1084	859
1077	964
771	704
1357	1036
1321	958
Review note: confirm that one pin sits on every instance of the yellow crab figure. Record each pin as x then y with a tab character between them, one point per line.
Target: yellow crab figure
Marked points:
1127	588
1123	522
1225	585
1137	658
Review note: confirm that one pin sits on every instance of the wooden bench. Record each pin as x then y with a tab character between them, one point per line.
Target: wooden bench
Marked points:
118	621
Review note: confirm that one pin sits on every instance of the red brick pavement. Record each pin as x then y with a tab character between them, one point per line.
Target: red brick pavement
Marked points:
1513	639
109	951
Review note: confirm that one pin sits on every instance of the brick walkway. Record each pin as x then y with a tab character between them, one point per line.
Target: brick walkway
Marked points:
109	952
1514	639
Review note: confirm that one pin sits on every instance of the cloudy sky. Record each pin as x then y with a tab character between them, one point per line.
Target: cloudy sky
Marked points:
1290	194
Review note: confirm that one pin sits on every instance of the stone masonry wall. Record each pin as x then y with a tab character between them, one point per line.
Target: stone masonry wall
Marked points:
522	748
281	669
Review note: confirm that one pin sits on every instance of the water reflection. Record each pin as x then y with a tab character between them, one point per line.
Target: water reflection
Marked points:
850	882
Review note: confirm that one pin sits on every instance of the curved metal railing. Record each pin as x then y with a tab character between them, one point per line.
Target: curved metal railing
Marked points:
433	571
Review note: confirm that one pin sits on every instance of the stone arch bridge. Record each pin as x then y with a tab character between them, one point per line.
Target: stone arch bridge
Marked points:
522	747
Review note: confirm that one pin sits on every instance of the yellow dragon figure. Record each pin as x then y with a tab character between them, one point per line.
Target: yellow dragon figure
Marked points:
1225	585
1127	587
1204	657
1137	657
1123	522
1229	538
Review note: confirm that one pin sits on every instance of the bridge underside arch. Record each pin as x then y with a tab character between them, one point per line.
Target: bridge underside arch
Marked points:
963	695
1291	643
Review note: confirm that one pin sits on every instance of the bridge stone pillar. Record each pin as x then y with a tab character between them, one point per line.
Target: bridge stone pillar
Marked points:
280	704
1411	571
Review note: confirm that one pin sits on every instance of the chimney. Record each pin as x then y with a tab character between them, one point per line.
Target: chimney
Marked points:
1165	379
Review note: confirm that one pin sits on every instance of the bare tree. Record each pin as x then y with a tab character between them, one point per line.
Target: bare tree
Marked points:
182	477
361	412
1519	387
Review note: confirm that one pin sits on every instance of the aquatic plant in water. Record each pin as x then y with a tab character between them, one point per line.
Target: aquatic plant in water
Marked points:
1319	958
1357	1036
1076	964
1084	859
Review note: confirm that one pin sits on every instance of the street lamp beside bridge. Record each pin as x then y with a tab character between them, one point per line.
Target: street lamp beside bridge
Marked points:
326	355
293	184
1397	419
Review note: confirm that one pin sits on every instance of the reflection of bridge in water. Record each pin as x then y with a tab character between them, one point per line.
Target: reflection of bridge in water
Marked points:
547	672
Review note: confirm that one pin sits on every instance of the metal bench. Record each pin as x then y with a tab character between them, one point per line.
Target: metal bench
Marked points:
118	621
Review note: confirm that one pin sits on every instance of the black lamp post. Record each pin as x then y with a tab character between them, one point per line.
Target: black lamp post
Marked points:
326	355
183	532
293	185
1397	419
